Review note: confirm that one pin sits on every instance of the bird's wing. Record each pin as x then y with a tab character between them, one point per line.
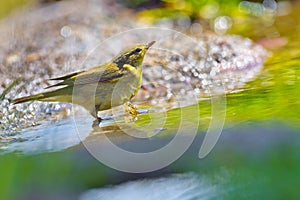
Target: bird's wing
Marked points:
61	78
108	72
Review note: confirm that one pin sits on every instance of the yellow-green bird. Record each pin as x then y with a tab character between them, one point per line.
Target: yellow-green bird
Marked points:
101	87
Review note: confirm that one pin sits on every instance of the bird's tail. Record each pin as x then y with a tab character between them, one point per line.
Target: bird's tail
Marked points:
28	98
60	95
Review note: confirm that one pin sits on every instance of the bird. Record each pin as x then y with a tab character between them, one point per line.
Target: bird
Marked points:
101	87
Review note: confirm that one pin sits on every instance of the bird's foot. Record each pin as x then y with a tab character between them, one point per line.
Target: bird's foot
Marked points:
97	121
131	110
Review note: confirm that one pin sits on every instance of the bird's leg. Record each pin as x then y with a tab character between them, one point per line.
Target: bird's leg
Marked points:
131	109
94	113
99	119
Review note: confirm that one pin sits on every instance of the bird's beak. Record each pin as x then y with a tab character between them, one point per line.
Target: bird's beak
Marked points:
150	44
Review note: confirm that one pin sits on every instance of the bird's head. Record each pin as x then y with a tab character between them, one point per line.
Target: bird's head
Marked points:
133	55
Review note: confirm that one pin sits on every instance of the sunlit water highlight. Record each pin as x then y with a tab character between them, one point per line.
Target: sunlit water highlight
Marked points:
187	186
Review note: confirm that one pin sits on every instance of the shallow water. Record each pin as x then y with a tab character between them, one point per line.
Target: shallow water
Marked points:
48	137
258	148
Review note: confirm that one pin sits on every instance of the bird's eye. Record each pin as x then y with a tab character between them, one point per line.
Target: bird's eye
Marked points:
138	50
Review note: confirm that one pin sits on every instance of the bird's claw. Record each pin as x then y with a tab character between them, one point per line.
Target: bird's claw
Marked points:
131	109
